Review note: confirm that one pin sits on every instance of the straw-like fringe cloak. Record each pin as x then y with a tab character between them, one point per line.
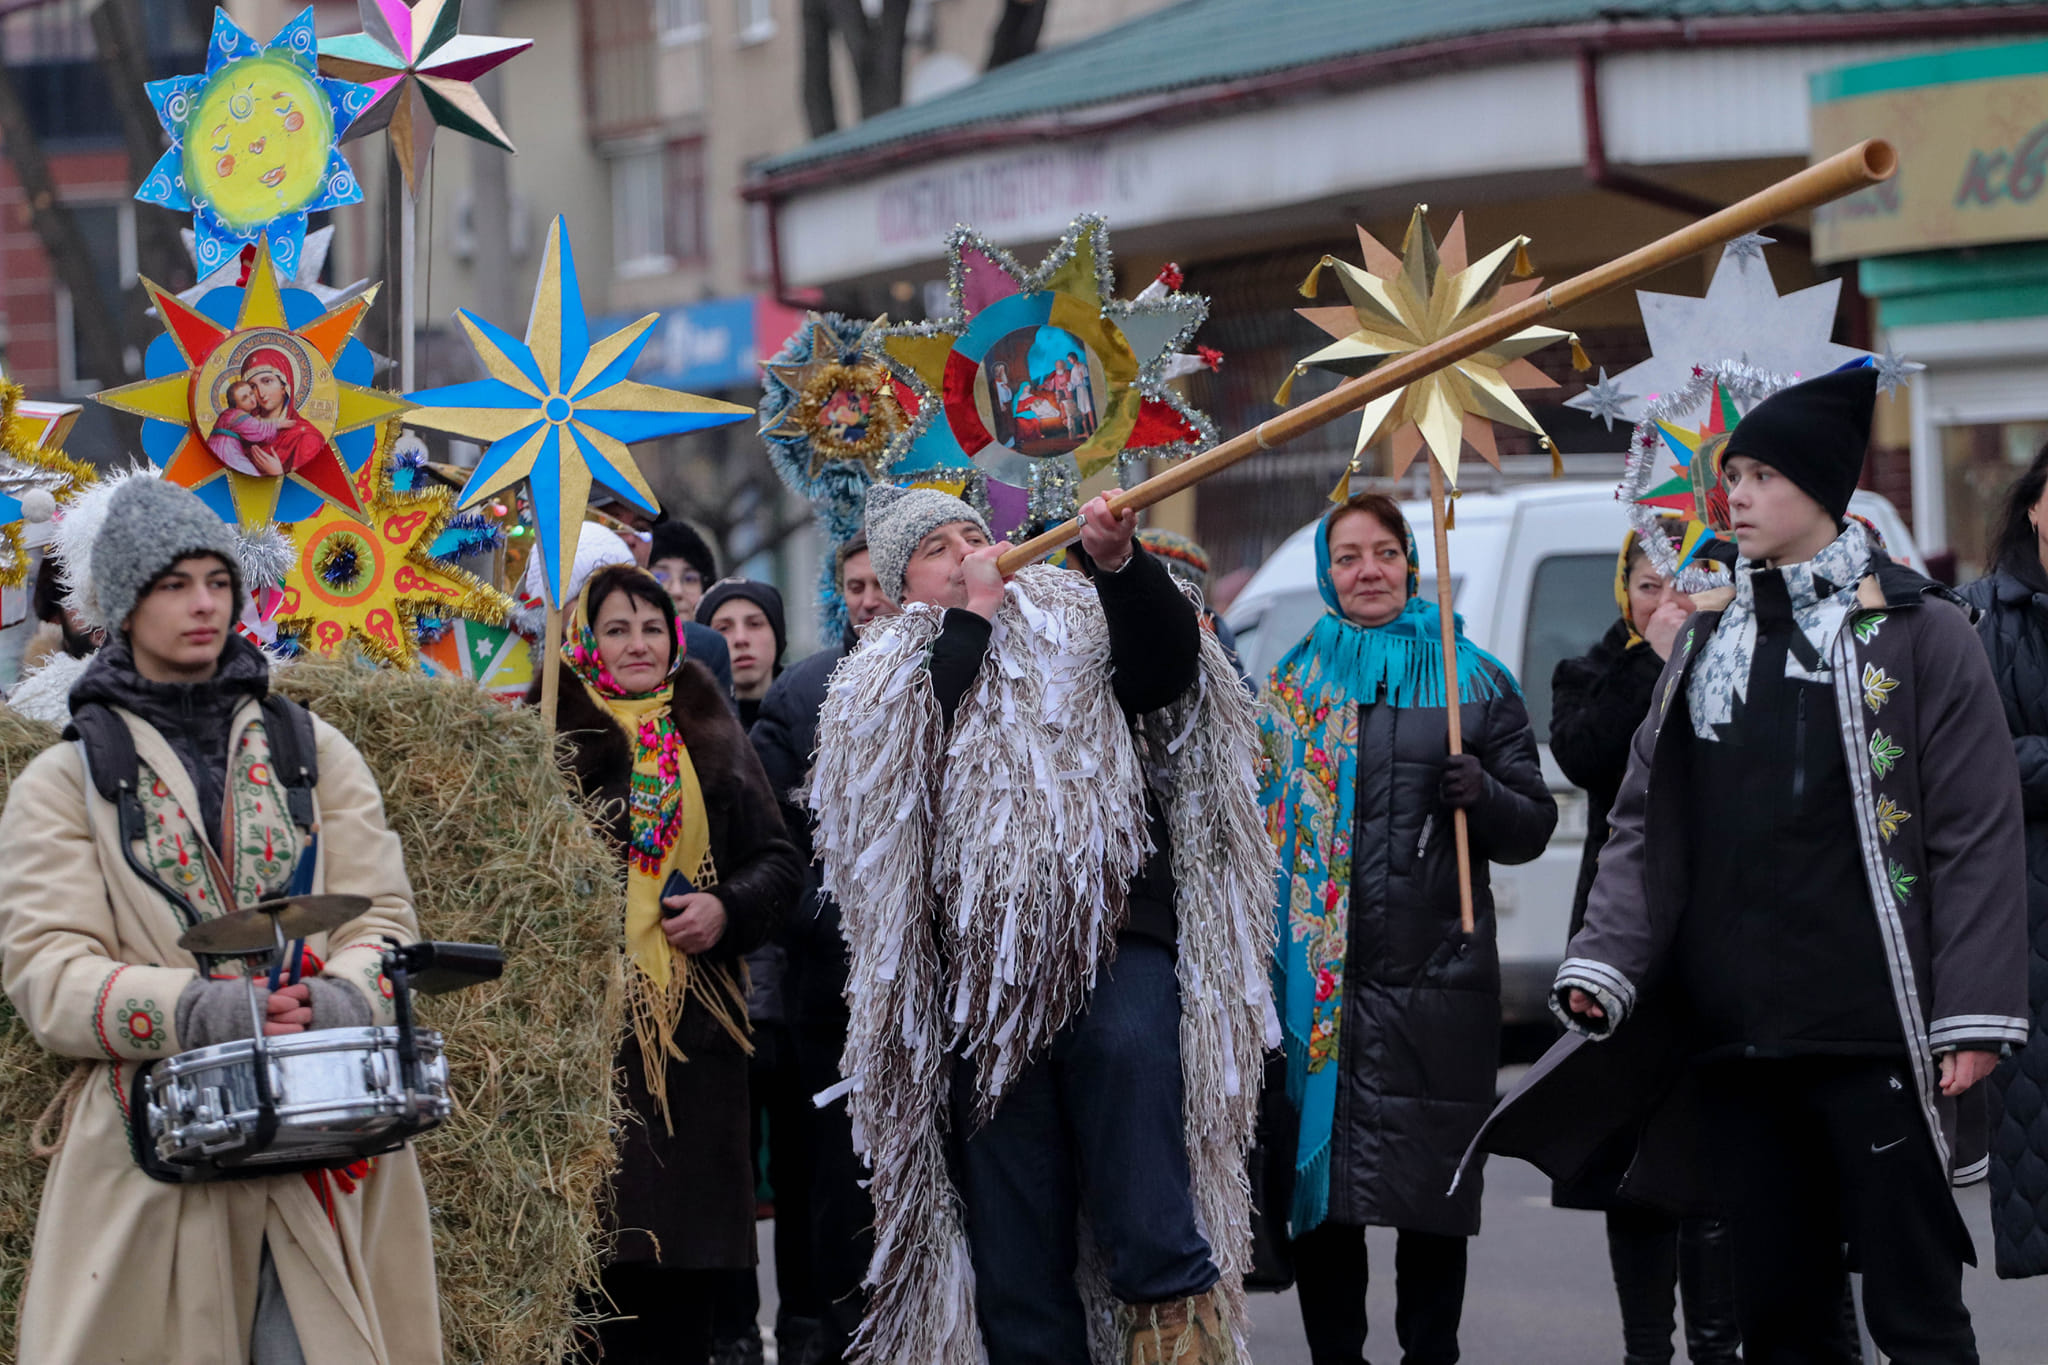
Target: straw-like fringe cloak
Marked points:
959	864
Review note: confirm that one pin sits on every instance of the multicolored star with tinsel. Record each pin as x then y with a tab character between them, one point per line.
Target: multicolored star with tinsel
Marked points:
259	399
377	582
421	67
253	142
1694	494
1399	304
558	411
35	473
1042	378
1671	477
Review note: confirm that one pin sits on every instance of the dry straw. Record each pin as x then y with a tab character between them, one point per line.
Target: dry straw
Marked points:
498	853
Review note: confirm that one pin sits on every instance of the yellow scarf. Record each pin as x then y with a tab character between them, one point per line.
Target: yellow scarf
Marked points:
670	832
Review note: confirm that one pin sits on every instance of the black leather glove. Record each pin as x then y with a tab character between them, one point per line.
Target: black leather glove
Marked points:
1463	781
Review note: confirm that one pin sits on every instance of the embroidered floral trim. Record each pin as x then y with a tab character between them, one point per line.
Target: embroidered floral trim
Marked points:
1884	753
1877	686
144	1024
1866	629
99	1011
1890	815
1902	881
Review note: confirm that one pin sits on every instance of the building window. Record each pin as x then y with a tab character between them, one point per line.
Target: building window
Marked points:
640	213
687	234
679	21
760	245
755	20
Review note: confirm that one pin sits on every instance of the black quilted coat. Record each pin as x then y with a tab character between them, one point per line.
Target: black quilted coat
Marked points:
2014	628
1420	1041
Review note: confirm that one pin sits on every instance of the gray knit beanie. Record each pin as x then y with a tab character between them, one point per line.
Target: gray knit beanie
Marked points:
150	525
898	518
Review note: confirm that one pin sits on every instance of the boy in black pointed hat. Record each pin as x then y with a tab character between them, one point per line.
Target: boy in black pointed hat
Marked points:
1805	944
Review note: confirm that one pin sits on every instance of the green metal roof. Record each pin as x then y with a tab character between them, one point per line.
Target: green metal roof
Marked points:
1209	42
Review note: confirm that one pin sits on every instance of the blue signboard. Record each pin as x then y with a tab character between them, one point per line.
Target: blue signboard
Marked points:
704	347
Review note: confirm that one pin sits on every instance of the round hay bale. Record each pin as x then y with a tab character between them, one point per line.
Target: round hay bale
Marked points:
499	852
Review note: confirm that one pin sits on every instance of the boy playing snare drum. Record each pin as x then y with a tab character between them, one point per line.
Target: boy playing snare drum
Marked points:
320	1267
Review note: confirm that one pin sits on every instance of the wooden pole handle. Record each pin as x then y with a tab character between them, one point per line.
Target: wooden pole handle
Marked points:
1865	164
550	676
1447	624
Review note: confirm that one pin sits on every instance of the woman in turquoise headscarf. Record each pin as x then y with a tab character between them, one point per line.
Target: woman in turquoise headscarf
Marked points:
1391	1010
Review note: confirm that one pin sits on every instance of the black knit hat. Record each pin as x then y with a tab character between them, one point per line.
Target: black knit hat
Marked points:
762	595
679	540
1815	433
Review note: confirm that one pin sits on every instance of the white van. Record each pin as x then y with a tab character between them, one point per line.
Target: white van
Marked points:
1532	574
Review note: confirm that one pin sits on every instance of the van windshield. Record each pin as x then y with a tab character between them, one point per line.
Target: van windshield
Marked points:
1571	605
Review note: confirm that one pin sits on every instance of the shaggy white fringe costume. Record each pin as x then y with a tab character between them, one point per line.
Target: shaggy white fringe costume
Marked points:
981	878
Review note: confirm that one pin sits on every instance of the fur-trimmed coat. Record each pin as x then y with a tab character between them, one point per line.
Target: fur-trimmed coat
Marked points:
1938	818
686	1199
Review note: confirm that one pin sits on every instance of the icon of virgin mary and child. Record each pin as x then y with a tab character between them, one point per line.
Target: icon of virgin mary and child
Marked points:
259	430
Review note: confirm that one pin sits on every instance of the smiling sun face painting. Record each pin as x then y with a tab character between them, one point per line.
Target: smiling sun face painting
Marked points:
259	142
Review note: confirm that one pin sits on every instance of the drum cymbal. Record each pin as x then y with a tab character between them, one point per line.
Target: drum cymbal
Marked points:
249	930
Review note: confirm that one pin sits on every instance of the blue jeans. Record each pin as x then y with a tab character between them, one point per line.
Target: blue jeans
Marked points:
1095	1124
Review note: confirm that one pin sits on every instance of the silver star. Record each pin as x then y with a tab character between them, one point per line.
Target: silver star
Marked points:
1748	247
1603	399
1893	371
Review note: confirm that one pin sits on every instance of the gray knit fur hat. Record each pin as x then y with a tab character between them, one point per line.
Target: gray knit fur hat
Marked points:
898	518
150	525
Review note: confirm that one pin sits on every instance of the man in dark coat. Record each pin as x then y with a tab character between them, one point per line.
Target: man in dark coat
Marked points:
2013	601
840	1228
1812	892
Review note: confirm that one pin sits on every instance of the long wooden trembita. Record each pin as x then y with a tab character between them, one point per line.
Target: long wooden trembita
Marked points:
1858	167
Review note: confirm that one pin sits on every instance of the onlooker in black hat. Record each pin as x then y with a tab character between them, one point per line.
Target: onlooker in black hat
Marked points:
1815	879
748	613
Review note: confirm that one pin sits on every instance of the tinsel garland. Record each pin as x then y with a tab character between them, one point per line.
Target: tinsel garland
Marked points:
1648	463
1031	814
378	597
836	489
27	469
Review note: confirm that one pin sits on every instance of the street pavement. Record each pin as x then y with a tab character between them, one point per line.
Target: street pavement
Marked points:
1539	1291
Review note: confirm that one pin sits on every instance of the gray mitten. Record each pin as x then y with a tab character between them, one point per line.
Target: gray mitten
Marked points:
336	1004
211	1012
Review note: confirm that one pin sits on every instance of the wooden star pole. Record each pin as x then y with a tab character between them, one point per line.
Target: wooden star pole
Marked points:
1865	164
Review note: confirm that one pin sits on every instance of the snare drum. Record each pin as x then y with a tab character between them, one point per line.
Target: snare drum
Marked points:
339	1095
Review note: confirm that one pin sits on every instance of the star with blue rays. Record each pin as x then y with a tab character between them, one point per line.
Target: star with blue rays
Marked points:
558	410
253	142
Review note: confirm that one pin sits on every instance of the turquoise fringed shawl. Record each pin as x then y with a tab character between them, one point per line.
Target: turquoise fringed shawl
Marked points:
1309	786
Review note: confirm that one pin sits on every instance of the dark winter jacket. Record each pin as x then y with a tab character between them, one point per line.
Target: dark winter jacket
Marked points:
1596	702
2014	628
1937	806
785	737
1420	1040
686	1199
1155	650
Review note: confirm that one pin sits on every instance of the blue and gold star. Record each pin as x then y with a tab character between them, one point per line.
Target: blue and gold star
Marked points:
558	410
